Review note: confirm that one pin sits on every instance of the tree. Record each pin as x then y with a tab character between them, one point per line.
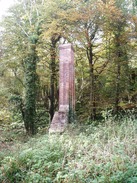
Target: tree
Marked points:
117	32
23	28
86	33
58	19
105	49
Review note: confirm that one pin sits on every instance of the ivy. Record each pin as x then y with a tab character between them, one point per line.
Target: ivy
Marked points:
30	91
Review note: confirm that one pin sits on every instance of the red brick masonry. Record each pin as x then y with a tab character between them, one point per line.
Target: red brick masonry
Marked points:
66	88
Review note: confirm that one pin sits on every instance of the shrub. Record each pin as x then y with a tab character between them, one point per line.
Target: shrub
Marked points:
104	153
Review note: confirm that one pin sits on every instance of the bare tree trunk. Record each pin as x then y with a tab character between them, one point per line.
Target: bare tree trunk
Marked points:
117	88
119	55
92	82
53	70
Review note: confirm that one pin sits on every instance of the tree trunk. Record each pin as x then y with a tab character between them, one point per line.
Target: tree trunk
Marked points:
92	82
53	79
117	89
30	91
119	55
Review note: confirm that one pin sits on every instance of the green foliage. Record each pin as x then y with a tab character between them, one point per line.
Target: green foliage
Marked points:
5	116
104	153
30	92
16	108
104	37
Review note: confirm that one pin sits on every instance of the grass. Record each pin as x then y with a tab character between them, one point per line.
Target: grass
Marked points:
103	153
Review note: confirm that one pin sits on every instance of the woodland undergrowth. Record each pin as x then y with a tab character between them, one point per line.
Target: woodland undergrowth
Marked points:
95	153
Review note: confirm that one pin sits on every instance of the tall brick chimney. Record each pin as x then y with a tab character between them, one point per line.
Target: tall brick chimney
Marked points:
66	89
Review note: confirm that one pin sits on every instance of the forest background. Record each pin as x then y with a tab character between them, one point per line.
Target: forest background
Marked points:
103	34
100	146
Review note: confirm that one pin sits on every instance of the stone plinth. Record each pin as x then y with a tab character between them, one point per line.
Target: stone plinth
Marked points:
66	89
59	122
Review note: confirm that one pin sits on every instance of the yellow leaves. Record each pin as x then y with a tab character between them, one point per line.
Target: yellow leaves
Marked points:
60	22
109	10
113	17
5	116
134	18
54	28
71	15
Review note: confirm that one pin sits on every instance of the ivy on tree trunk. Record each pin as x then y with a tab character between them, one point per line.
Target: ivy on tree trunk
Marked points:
30	90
